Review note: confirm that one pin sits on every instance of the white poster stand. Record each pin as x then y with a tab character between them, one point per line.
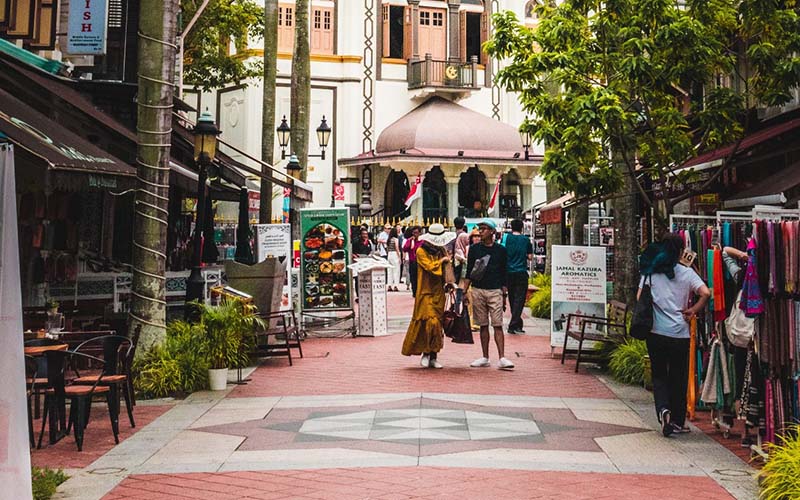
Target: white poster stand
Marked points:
372	312
579	287
275	240
15	462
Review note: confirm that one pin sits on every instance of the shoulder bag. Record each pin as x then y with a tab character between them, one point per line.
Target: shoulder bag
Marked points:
642	319
739	328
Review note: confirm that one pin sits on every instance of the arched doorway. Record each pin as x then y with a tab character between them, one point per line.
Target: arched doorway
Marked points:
395	194
511	196
473	193
434	195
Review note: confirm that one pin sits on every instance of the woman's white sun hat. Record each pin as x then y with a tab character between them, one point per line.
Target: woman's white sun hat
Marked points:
436	235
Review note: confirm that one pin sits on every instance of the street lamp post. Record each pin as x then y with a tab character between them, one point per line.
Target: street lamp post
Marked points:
205	148
323	136
525	136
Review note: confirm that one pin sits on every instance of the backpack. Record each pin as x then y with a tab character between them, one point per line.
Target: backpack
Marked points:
642	319
479	268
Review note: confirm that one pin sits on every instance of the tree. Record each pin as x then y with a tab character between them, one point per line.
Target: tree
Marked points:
157	27
268	106
207	59
626	70
301	86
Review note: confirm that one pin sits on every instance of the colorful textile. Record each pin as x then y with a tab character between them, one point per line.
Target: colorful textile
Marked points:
752	302
691	389
719	285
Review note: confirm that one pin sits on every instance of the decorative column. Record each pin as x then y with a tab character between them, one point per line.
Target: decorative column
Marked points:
526	193
365	208
454	30
368	84
414	29
452	197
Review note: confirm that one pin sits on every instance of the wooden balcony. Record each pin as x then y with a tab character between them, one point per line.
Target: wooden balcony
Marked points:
443	76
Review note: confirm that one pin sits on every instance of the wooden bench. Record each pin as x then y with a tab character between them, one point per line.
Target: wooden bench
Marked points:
283	327
613	328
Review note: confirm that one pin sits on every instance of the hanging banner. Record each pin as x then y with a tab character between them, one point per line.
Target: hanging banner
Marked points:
275	240
86	31
579	288
324	257
15	465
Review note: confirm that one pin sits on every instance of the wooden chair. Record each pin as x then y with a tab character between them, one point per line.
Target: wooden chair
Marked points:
39	384
31	382
282	325
117	358
613	328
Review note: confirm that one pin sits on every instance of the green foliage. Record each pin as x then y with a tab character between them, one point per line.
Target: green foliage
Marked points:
605	82
540	303
780	476
45	481
541	280
208	64
627	363
228	331
178	366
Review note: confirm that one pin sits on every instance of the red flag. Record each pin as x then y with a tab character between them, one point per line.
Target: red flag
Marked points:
493	202
415	193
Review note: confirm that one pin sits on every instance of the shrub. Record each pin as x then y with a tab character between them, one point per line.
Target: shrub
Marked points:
228	333
540	303
779	476
627	362
45	481
541	280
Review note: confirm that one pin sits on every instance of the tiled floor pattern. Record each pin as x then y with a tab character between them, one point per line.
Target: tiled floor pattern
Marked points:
429	483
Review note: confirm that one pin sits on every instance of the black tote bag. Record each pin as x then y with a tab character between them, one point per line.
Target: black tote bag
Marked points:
642	319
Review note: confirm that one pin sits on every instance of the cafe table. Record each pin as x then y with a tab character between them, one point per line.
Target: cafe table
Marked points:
55	379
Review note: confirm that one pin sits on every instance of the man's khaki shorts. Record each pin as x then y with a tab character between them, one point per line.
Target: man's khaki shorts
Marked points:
486	305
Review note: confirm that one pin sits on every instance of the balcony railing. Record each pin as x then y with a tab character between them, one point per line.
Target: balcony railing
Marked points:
443	74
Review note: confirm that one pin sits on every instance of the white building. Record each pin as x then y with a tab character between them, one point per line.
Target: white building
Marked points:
408	92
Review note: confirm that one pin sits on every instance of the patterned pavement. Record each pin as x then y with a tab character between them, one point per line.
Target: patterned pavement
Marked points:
354	419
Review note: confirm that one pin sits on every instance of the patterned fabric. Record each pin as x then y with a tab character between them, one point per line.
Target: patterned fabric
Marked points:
752	302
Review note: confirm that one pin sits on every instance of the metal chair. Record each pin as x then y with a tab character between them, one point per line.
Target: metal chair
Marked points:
117	357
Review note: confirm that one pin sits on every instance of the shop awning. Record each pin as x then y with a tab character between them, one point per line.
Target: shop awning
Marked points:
58	148
775	189
751	140
551	213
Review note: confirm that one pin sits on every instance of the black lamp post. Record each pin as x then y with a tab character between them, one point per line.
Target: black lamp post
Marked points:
323	136
205	148
525	136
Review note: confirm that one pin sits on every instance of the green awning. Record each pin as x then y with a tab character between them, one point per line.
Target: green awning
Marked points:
28	57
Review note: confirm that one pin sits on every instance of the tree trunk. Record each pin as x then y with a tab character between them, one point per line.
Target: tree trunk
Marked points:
301	86
268	106
626	244
580	218
554	234
154	121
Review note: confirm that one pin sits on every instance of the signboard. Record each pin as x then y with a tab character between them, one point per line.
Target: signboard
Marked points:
324	257
338	194
579	287
275	240
86	31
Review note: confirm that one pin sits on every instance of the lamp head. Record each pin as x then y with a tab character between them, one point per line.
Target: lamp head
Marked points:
323	133
293	166
283	133
205	134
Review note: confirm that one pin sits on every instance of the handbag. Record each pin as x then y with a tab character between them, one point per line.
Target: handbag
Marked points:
449	273
642	319
456	320
739	328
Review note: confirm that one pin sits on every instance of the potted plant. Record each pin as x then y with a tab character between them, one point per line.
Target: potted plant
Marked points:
51	306
228	331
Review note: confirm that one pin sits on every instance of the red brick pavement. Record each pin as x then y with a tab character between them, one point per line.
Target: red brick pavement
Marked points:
702	420
97	439
375	365
415	483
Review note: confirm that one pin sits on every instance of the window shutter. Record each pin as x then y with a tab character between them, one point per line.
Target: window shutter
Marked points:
484	59
407	47
462	35
386	34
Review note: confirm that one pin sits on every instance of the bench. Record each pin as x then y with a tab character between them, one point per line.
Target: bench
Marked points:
282	325
613	328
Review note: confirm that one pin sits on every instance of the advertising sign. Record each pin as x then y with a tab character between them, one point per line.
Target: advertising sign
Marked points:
86	31
324	257
579	287
275	240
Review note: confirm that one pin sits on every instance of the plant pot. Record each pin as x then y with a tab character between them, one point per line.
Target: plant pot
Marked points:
218	378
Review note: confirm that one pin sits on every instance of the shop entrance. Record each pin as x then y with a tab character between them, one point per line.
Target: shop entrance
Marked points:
473	192
511	196
434	195
395	194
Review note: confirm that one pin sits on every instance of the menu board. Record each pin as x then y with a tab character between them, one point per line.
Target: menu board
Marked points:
324	257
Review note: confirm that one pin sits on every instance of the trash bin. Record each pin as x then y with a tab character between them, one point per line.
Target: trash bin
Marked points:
371	295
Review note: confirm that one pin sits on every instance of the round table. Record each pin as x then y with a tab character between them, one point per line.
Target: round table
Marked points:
38	350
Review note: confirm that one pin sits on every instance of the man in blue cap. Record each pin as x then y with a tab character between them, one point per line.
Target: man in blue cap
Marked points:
487	274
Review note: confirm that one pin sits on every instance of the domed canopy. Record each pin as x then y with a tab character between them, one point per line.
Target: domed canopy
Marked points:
439	127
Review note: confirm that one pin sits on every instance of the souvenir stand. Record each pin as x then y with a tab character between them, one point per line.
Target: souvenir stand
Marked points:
758	383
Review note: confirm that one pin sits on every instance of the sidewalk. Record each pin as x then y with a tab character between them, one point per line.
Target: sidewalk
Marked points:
355	419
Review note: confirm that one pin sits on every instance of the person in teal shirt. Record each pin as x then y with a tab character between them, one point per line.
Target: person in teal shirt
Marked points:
520	253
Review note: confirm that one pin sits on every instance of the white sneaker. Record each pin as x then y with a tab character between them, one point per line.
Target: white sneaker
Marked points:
505	364
480	363
436	364
425	361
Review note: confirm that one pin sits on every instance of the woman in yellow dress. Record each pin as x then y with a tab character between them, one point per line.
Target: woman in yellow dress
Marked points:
425	334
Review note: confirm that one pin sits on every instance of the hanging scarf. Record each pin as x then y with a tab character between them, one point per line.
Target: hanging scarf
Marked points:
752	302
691	389
719	285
